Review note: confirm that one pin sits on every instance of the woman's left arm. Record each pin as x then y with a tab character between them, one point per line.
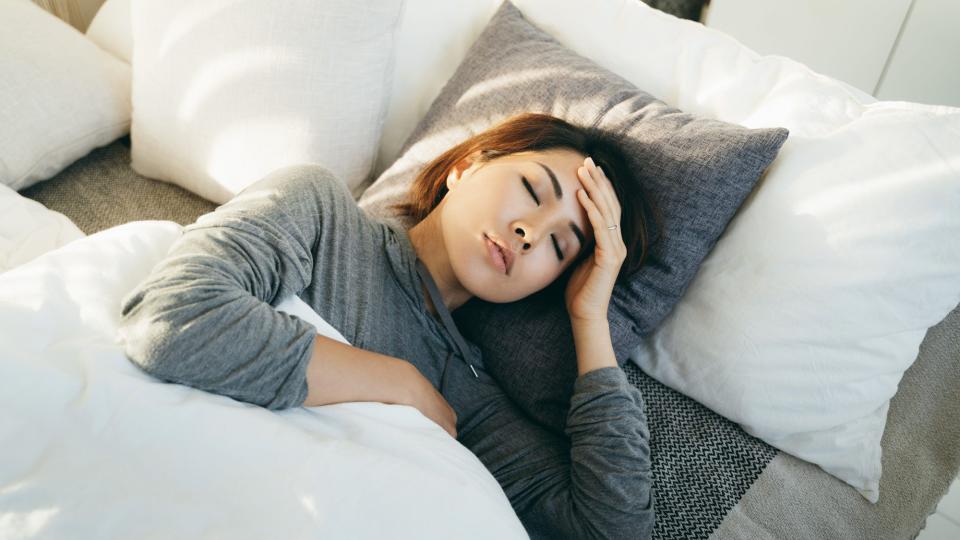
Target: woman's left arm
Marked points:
595	483
588	292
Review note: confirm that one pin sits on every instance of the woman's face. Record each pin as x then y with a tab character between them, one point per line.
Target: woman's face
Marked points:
492	202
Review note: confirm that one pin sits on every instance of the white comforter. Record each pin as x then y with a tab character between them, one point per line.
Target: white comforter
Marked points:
95	448
29	229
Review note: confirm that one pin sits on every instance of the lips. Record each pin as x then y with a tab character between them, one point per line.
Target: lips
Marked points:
502	258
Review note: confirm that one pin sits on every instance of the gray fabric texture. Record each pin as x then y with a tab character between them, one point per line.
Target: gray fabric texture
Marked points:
793	499
101	190
697	172
203	317
702	462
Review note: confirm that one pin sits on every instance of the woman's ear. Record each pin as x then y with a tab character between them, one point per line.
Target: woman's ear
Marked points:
462	169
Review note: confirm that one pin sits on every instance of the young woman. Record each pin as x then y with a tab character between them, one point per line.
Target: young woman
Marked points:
499	216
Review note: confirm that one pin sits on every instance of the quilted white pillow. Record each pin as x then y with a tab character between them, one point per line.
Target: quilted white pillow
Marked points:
224	93
61	96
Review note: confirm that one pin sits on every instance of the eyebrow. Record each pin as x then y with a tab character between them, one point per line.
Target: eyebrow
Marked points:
559	193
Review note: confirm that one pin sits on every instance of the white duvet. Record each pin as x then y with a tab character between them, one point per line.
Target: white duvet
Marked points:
95	448
29	229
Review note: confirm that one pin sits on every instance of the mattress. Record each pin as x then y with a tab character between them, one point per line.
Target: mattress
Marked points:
712	480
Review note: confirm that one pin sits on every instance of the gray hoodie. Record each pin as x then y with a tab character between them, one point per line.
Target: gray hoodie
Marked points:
204	317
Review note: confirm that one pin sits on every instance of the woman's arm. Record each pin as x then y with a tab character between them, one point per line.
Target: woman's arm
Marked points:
596	482
338	372
203	317
593	344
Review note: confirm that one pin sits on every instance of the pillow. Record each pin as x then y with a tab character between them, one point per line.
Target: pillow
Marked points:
801	322
110	29
62	96
696	170
224	93
29	229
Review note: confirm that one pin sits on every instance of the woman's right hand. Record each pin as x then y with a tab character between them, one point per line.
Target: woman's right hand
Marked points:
424	397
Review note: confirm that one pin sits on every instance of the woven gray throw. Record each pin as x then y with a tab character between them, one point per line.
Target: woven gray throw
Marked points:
702	462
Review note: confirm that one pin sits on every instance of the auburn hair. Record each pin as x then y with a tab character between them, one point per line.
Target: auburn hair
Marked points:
537	132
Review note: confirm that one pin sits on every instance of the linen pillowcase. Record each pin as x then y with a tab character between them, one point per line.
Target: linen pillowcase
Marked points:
224	93
62	95
697	172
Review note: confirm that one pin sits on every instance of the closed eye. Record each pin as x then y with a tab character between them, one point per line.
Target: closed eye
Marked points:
533	194
557	247
530	189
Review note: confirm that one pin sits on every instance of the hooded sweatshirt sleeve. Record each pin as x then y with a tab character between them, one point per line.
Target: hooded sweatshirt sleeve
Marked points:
204	316
597	483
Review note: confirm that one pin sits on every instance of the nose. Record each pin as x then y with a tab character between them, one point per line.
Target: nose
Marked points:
523	238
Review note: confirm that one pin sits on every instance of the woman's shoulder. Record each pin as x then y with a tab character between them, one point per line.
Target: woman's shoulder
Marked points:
319	195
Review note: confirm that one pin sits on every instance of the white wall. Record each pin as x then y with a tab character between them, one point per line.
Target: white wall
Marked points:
893	49
925	66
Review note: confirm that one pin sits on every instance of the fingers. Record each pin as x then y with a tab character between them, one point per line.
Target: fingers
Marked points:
596	218
601	235
605	187
603	209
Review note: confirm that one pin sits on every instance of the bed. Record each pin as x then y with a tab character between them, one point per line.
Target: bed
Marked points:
712	479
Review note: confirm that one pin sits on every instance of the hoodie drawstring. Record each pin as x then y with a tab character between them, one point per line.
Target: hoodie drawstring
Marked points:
444	315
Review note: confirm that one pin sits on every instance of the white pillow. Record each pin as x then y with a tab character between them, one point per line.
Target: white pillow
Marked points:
29	229
110	29
800	323
224	93
61	96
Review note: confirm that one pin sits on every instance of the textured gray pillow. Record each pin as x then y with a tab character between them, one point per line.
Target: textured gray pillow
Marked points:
696	171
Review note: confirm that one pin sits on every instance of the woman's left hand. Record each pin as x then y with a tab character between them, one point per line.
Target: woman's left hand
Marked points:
591	284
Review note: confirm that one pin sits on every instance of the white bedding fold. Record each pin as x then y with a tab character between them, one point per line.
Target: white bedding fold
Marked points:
29	229
93	447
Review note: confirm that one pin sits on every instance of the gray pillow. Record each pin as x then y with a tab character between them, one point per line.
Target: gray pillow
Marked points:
696	171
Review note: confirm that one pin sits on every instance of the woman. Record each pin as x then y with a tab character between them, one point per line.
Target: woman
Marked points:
499	216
